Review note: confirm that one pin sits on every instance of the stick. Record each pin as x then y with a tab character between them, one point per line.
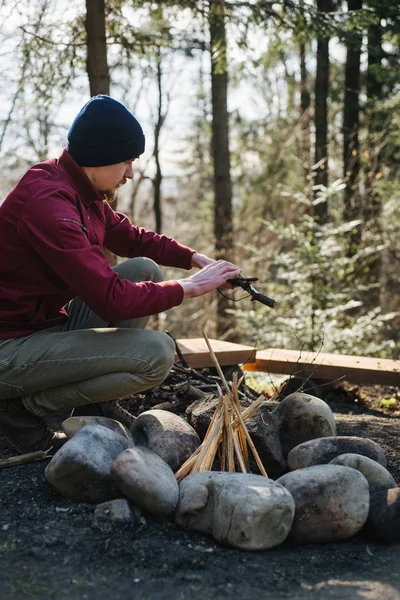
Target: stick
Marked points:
206	458
229	438
239	431
239	455
221	458
23	459
216	363
209	439
187	465
250	442
243	447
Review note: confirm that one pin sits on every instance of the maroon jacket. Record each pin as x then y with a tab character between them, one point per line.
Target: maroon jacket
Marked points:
52	227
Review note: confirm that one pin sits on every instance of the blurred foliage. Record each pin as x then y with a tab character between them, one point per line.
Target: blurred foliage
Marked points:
321	292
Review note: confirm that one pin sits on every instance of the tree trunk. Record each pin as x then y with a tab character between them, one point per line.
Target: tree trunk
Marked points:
305	102
351	117
156	153
321	112
375	117
376	135
97	66
223	227
96	63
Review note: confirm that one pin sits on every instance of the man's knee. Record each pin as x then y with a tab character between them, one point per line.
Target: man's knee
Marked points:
140	269
164	355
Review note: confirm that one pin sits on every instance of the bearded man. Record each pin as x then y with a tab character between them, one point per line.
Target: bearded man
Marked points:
71	327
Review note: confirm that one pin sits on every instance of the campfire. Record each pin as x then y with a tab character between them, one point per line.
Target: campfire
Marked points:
246	470
227	434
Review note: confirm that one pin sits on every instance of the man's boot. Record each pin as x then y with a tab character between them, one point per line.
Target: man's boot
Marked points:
110	409
25	431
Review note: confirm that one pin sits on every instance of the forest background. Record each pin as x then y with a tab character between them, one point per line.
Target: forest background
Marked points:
273	140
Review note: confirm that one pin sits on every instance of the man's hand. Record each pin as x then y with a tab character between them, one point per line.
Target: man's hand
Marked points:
213	275
201	260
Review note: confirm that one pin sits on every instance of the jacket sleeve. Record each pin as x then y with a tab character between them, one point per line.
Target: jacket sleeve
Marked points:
83	268
125	239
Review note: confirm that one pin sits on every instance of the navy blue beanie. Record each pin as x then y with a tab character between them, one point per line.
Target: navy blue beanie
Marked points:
104	133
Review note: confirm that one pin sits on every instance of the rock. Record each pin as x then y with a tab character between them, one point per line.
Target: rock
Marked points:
270	404
240	510
167	435
301	417
384	515
263	431
200	412
80	470
147	480
115	510
72	425
332	502
376	475
300	383
323	450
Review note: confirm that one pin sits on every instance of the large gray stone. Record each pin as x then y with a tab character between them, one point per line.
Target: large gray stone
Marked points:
146	480
384	515
80	470
167	435
301	417
241	510
263	431
322	450
332	502
72	425
376	475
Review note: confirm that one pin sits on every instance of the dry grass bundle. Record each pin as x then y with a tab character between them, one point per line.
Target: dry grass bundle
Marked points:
227	434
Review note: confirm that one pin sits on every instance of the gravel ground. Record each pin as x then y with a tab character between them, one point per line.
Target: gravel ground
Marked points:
51	548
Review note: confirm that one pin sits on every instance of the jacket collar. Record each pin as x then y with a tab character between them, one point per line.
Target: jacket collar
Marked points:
79	179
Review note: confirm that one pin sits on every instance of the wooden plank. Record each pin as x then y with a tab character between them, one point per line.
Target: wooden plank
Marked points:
195	351
357	369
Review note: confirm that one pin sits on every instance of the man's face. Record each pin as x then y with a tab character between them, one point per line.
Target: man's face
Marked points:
108	179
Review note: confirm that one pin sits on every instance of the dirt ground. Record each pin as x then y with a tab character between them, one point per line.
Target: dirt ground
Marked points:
51	548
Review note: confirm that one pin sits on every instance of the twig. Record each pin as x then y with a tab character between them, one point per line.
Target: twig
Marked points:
227	433
216	363
178	350
239	455
197	456
239	431
24	458
250	442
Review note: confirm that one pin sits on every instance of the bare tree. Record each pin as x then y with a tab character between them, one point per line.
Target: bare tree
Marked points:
321	110
96	63
305	103
161	115
351	123
223	227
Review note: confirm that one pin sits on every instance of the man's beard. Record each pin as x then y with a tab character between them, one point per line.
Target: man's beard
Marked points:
111	195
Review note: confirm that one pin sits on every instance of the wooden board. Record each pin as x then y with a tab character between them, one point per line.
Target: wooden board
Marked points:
330	367
196	353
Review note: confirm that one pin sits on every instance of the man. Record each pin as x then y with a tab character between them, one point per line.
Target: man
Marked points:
71	327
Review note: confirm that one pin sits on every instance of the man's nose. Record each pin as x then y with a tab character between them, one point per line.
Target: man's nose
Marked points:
129	172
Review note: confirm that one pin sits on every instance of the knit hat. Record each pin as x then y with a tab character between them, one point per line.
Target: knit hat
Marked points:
104	133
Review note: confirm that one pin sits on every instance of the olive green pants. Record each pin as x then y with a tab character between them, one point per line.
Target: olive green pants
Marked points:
86	360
